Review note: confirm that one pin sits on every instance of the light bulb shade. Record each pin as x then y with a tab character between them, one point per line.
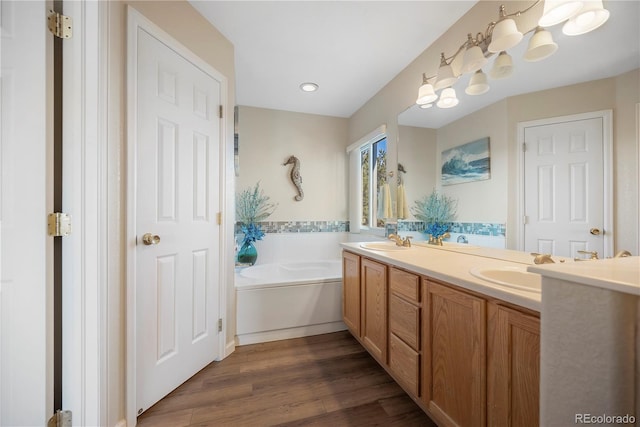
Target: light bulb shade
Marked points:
448	98
425	106
473	60
592	15
556	11
426	94
502	67
505	35
446	77
478	84
541	46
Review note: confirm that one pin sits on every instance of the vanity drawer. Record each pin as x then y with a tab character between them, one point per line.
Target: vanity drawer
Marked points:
404	321
404	362
405	284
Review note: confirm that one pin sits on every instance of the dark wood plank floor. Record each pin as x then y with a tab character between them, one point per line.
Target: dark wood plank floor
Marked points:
324	380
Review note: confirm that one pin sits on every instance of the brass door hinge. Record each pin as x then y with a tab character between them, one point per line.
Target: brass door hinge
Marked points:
59	224
219	218
219	325
220	111
60	25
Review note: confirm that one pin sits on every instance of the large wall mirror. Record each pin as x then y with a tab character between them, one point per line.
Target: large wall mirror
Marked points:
587	73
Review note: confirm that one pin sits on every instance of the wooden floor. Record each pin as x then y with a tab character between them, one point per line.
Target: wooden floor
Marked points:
324	380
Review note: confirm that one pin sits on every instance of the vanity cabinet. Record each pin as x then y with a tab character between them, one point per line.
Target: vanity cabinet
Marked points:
513	367
351	292
467	359
454	369
373	291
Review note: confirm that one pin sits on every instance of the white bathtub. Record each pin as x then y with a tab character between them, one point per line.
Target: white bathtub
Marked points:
288	300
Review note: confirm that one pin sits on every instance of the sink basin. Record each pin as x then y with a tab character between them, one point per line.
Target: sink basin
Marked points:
511	276
383	246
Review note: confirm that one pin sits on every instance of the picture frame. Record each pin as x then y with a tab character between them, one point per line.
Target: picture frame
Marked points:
466	163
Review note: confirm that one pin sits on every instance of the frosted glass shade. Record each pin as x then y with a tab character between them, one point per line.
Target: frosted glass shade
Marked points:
541	46
478	84
448	98
502	67
445	77
592	15
505	35
473	60
426	94
556	11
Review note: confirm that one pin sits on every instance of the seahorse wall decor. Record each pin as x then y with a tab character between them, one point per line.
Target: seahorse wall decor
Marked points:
295	176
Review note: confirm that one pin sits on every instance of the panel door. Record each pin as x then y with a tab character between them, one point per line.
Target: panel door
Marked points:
351	292
564	187
374	308
177	164
26	287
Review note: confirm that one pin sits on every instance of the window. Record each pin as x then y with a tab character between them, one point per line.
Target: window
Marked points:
373	173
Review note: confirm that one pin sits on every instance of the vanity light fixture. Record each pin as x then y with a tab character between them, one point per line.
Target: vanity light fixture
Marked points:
502	35
309	87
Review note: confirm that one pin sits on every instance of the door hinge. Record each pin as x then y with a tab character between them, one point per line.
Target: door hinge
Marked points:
219	218
524	147
60	25
60	419
219	325
220	111
525	219
59	224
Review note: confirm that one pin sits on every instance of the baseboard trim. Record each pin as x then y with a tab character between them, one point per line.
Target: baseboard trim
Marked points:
283	334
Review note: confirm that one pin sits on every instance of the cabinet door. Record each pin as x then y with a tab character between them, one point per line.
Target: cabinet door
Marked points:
513	368
373	277
351	292
454	356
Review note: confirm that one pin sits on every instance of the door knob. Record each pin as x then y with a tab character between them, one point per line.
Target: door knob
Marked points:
150	239
595	231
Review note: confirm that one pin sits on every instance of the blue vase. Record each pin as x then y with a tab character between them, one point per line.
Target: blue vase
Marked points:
247	255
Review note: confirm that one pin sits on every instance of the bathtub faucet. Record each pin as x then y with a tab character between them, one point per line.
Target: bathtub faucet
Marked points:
400	241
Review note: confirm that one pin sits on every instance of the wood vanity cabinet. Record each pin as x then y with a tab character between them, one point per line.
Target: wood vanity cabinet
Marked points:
513	367
351	292
467	359
454	368
373	291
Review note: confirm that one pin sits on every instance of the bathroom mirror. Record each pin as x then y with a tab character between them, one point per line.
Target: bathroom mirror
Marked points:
607	52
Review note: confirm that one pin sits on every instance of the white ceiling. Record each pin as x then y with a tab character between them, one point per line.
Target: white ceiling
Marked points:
354	48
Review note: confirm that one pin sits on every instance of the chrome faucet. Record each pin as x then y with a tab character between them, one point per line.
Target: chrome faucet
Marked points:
542	258
400	241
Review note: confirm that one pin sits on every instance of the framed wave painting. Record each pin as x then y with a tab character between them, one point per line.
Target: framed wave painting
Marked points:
466	163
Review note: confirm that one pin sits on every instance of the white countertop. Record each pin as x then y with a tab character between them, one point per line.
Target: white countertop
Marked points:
617	274
453	266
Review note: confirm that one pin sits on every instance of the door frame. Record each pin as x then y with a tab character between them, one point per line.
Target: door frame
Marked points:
136	20
607	160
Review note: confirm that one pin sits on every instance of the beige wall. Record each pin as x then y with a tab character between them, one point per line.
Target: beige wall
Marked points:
268	137
186	25
417	152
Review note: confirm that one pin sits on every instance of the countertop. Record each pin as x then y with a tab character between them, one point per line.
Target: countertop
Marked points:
453	266
617	274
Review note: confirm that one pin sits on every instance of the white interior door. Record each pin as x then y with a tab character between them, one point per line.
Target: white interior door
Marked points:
26	288
564	187
177	185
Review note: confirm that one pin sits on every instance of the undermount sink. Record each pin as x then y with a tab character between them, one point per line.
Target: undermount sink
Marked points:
383	246
511	276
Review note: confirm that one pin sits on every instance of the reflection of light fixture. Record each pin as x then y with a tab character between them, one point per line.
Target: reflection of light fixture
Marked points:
448	98
556	11
502	67
309	87
541	46
426	94
445	74
425	106
473	57
478	84
592	15
500	36
505	34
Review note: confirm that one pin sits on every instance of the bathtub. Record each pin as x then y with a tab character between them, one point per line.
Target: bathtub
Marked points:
288	300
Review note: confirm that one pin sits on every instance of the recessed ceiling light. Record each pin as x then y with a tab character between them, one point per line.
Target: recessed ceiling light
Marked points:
309	87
